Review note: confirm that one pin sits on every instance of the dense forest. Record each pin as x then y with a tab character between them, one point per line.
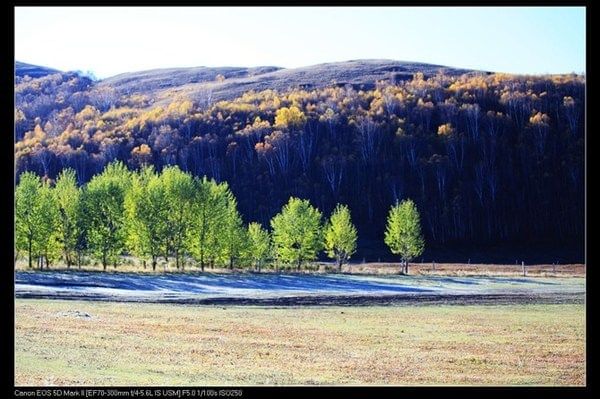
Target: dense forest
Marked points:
487	158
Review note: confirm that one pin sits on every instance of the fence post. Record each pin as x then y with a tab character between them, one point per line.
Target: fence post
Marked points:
433	264
523	266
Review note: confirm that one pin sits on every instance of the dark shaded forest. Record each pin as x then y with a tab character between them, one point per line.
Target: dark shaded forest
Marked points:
489	159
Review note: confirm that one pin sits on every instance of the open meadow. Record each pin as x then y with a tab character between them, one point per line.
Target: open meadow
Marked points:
106	343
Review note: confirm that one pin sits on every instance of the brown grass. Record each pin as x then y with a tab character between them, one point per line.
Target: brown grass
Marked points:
442	269
463	269
140	344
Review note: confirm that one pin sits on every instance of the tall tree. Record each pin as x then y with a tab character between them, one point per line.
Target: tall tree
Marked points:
209	215
67	198
217	218
259	242
340	236
297	233
233	233
403	233
48	239
81	229
146	211
104	206
201	219
179	191
27	213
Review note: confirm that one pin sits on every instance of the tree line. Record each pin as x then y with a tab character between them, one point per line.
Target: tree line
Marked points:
487	158
174	216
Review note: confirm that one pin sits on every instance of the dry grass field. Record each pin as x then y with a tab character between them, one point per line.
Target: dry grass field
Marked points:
104	343
473	269
441	269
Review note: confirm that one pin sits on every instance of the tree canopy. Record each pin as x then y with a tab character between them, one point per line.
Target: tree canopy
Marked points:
340	235
403	232
297	232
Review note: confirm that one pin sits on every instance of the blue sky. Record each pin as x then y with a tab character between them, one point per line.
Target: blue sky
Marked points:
113	40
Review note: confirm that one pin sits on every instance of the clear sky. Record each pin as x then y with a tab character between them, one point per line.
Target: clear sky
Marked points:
113	40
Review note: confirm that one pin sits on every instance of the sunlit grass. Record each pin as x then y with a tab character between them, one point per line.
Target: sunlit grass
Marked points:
139	344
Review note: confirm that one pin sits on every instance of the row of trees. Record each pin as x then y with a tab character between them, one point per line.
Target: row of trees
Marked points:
174	216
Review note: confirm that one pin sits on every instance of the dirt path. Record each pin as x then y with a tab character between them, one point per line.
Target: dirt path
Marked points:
362	300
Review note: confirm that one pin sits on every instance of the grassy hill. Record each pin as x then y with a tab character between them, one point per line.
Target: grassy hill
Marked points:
34	71
197	81
161	85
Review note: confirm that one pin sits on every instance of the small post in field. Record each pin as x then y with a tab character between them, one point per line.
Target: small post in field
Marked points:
523	267
433	265
554	267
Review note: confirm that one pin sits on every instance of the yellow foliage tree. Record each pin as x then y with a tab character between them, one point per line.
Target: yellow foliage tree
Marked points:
290	117
445	129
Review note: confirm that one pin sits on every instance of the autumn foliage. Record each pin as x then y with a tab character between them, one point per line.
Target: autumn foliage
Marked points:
486	158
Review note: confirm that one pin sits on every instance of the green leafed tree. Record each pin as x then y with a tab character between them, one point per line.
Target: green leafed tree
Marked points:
104	203
259	245
179	194
66	193
297	233
201	218
146	211
340	236
81	229
27	213
48	243
209	215
232	232
134	235
403	233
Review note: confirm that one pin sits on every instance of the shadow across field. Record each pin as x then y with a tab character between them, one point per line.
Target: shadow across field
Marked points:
293	289
209	283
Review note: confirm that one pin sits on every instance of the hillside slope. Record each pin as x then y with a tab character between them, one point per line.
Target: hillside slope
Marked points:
34	71
193	82
487	158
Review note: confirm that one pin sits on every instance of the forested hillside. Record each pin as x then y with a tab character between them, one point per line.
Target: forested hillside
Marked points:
487	158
